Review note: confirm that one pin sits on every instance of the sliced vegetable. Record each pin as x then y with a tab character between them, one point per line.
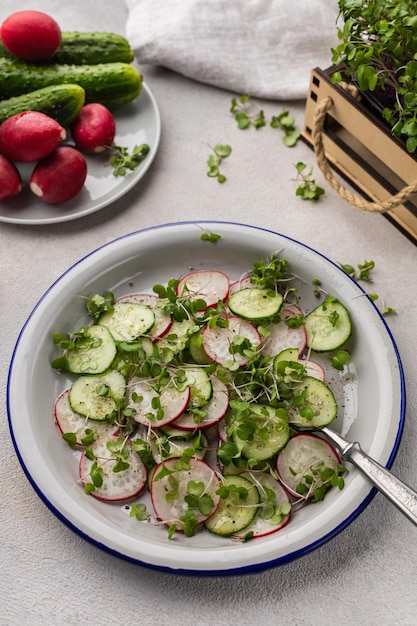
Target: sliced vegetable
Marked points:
328	326
312	404
208	285
156	405
231	344
128	320
184	495
111	470
98	397
255	304
307	464
237	508
77	429
93	352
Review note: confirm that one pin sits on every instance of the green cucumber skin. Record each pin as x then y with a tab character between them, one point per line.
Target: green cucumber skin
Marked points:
110	84
87	48
61	102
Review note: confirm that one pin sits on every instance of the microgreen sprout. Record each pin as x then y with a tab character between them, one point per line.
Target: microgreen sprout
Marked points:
123	161
307	189
285	122
243	116
361	272
340	359
211	237
220	152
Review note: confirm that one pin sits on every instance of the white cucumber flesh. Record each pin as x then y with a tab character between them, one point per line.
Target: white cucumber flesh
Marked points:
317	407
128	320
234	513
93	354
68	421
328	327
163	320
98	397
255	304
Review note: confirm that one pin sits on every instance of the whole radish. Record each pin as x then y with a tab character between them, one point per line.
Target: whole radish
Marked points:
31	35
94	128
60	176
10	179
30	136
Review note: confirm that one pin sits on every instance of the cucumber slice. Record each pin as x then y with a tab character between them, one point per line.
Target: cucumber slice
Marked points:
270	435
255	304
234	513
93	354
178	336
70	422
201	389
128	320
313	404
98	397
328	326
197	351
272	515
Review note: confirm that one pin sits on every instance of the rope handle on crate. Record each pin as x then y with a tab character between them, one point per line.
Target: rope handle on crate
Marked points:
321	112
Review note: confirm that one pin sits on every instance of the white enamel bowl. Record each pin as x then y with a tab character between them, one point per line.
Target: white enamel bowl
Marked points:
371	395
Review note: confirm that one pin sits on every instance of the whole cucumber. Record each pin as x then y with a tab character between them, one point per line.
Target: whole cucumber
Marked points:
88	48
61	102
110	84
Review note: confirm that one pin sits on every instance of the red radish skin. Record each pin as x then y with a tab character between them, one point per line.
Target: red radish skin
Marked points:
10	179
31	35
30	136
60	176
94	129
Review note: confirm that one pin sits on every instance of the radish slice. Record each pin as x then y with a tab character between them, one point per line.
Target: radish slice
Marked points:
143	398
165	447
168	492
163	321
262	526
282	336
68	421
208	285
305	455
217	341
214	410
117	485
313	369
242	283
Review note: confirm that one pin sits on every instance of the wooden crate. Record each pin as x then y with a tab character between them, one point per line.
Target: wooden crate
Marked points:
360	147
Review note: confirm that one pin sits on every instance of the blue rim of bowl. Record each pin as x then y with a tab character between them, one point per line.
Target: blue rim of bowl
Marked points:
237	571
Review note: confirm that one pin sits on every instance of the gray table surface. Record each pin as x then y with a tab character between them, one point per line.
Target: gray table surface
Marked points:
366	575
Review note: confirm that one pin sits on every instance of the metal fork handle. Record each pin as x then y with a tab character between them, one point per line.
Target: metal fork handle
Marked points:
400	494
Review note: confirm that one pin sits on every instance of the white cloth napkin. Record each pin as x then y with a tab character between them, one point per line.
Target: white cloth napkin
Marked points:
263	48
